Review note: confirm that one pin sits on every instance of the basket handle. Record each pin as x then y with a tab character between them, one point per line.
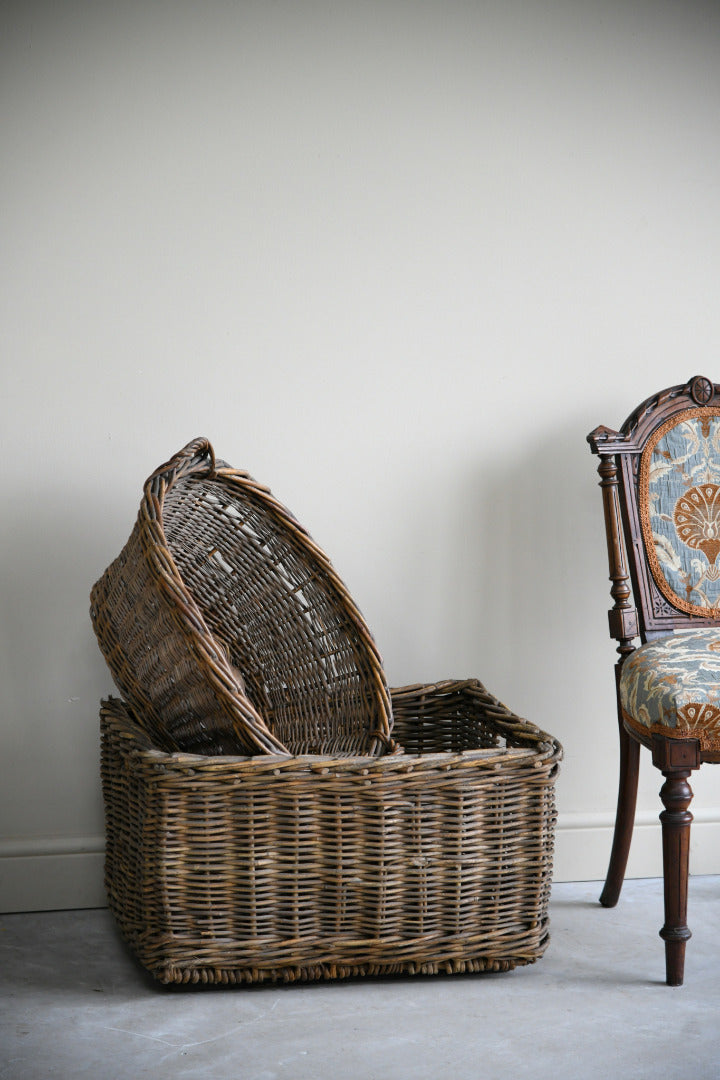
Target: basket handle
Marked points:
197	456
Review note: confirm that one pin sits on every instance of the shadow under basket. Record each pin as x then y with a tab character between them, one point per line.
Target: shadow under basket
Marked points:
275	868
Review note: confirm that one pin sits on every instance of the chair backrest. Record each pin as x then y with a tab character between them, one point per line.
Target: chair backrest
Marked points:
660	477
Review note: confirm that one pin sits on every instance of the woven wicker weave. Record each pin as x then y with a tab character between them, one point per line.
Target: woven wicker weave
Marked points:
227	629
438	859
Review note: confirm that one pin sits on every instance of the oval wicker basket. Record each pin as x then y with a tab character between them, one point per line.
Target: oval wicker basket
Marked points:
227	629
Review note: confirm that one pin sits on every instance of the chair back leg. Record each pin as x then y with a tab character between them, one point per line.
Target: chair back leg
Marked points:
625	815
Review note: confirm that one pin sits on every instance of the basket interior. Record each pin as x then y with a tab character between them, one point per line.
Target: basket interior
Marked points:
296	642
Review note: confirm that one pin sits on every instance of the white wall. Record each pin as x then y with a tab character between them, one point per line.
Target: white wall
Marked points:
394	258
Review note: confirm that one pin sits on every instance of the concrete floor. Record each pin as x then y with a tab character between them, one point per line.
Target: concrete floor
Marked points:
74	1004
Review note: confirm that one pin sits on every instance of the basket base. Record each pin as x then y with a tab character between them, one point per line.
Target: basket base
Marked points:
181	962
328	972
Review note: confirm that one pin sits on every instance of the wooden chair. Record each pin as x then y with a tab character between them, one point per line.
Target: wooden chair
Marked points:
660	480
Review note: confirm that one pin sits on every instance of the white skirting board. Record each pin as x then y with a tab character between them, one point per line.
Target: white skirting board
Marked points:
60	874
52	874
583	843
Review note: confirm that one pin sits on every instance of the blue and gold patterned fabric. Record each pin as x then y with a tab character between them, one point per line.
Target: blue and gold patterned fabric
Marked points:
672	686
680	510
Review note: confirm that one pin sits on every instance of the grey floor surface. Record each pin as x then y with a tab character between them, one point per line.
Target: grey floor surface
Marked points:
73	1004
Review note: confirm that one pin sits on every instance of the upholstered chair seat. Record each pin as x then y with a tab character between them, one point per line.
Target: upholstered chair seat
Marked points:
671	687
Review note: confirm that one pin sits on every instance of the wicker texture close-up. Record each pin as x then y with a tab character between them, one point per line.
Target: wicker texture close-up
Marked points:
284	868
227	629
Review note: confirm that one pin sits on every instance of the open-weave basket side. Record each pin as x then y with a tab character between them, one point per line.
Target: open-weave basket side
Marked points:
163	658
227	628
282	868
286	622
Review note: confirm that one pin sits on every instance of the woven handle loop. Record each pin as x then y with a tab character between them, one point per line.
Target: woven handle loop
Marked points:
192	458
198	456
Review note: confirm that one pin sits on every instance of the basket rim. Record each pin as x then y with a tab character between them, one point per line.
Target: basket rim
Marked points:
542	750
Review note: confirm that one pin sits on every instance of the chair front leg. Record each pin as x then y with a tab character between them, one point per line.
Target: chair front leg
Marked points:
676	819
676	758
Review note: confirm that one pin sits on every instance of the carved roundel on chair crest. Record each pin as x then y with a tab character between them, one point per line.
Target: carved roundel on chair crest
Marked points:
702	390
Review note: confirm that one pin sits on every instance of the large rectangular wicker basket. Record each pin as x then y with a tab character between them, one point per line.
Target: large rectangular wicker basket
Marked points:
246	869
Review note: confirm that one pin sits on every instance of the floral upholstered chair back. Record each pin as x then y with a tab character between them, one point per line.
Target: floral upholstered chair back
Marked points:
679	497
660	475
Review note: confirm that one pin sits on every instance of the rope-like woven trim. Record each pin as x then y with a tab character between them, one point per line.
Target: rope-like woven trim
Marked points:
708	743
172	973
534	750
645	523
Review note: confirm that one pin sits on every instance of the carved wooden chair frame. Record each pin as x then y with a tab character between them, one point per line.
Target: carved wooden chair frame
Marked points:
641	610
